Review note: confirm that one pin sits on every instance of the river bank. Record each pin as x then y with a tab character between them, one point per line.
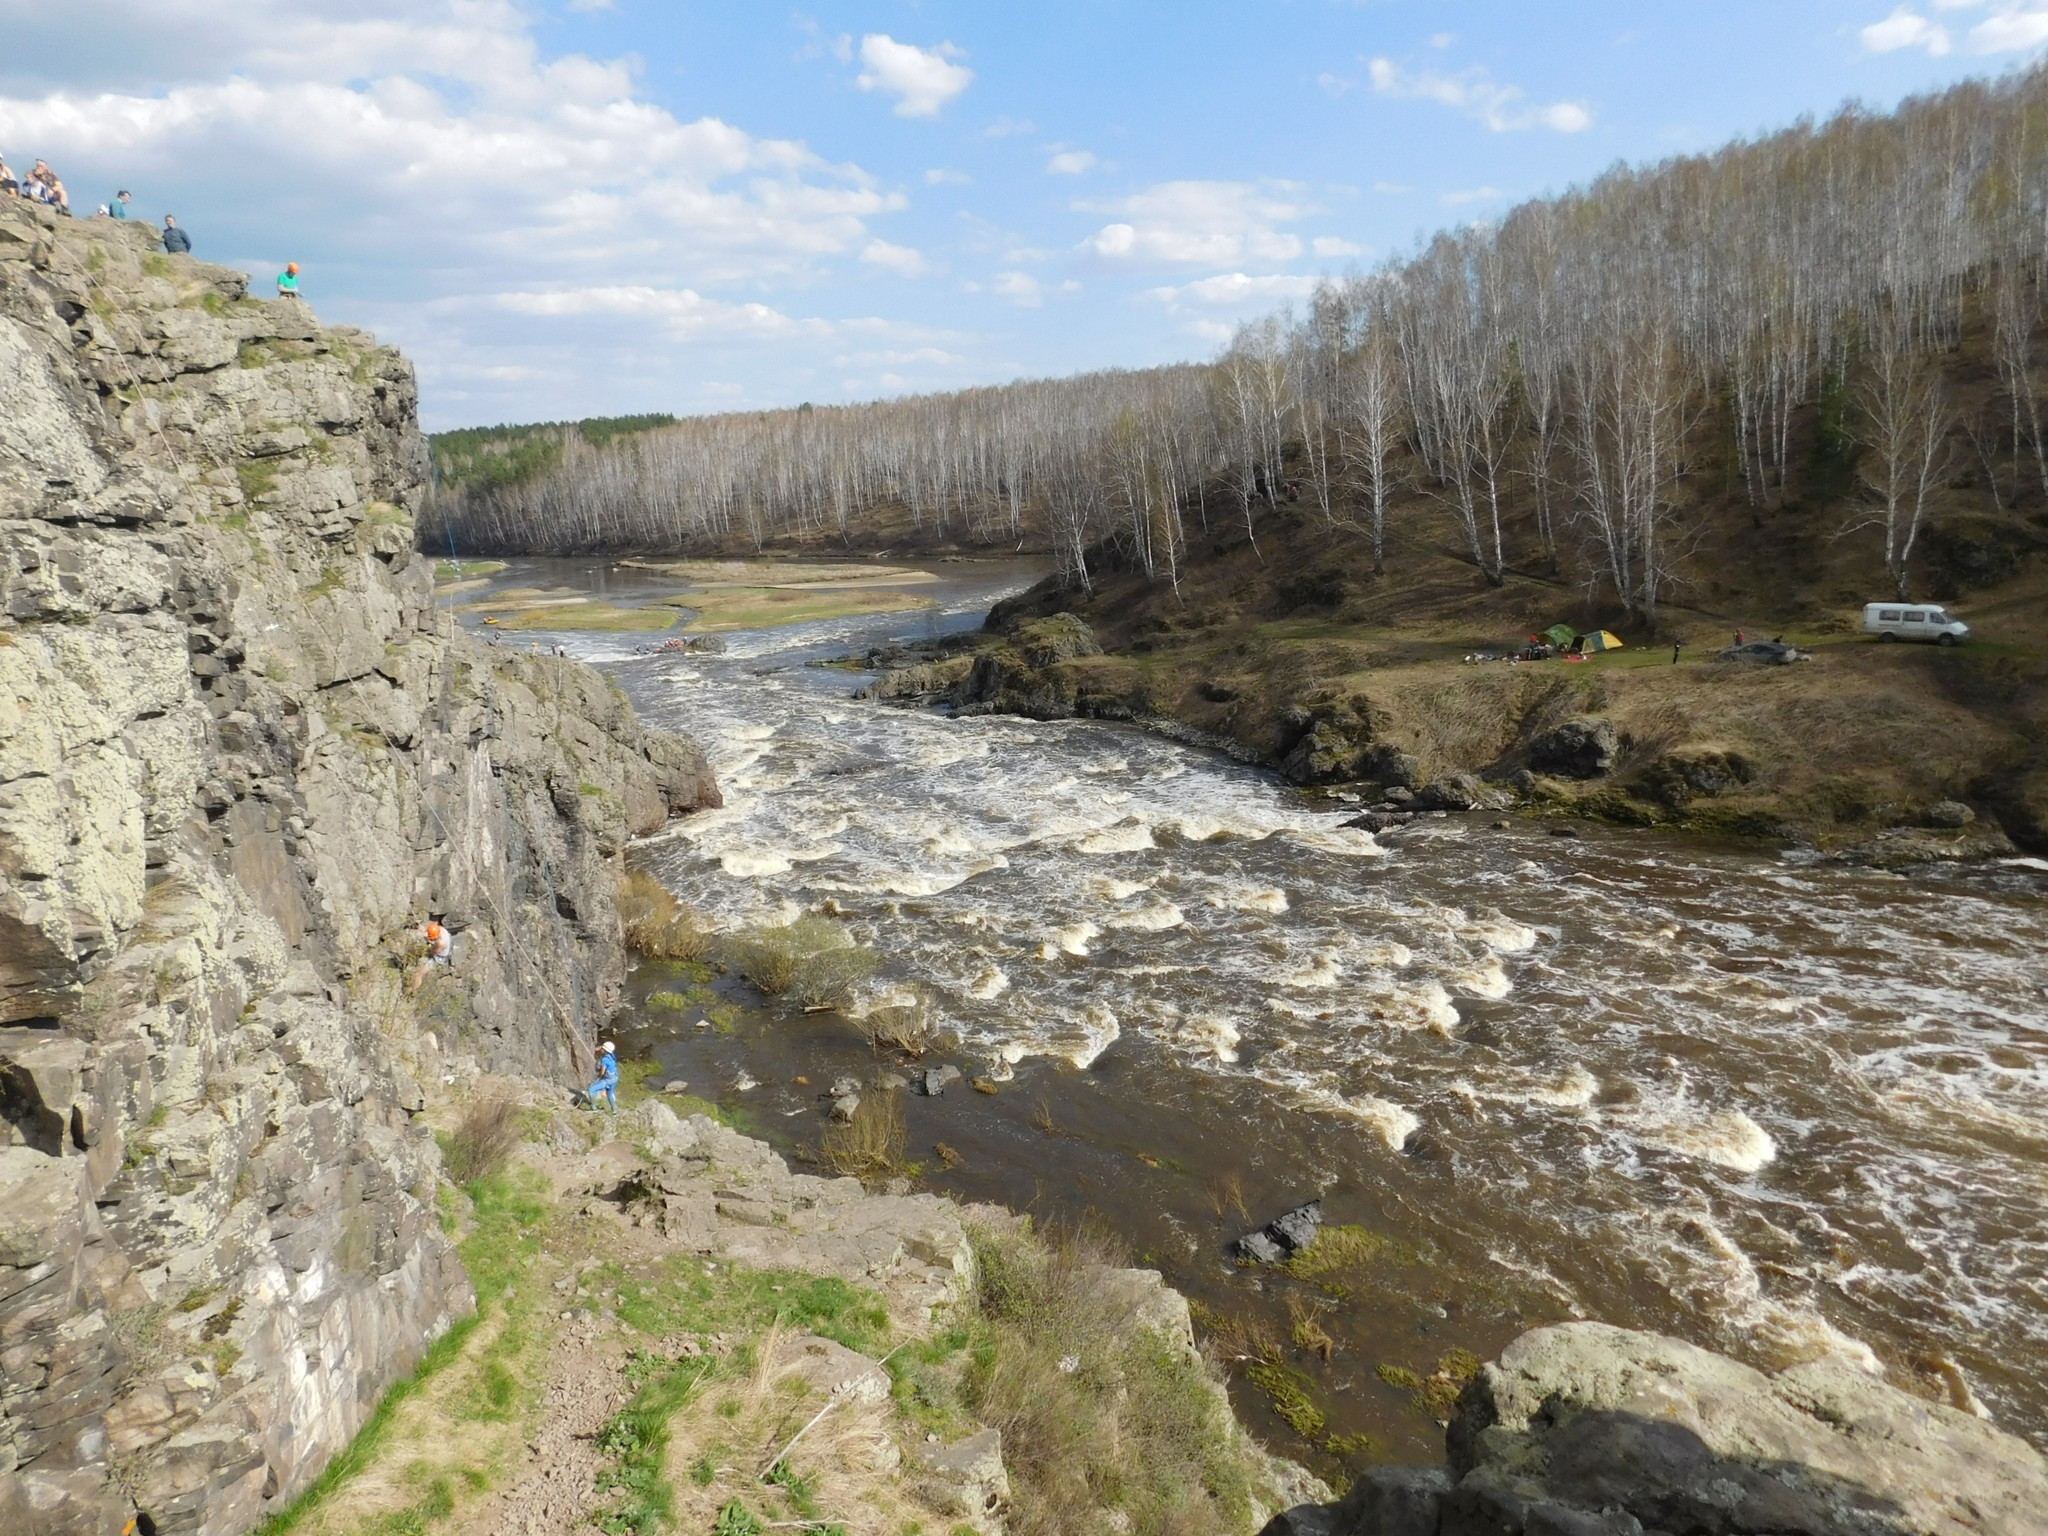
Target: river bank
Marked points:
1888	754
1670	1083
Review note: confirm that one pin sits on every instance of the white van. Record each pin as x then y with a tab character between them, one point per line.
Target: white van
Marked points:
1913	621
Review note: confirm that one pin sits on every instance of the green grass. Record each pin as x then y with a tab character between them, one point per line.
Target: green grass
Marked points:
735	1300
462	570
257	477
636	1439
1338	1251
508	1212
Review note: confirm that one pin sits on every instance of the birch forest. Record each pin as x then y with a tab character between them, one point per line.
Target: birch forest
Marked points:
1563	389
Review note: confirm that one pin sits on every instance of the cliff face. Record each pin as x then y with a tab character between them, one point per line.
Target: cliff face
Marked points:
241	761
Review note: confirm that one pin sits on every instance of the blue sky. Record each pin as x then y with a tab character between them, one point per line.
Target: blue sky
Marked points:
574	207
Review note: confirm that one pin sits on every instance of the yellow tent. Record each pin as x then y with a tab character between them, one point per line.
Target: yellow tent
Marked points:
1602	640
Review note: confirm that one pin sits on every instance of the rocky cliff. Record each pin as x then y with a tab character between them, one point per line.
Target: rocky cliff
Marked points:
241	761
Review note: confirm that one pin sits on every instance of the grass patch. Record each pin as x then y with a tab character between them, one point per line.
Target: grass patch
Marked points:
657	925
636	1439
870	1145
813	962
463	570
1337	1254
257	477
682	1298
728	608
602	617
1437	1393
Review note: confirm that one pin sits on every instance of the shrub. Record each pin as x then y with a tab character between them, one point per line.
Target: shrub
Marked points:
482	1143
1096	1413
910	1027
813	961
870	1146
656	924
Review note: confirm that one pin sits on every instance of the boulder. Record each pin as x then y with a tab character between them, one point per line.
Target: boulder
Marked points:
1582	748
1059	637
1282	1237
970	1473
933	1081
1457	792
832	1370
1950	814
1588	1430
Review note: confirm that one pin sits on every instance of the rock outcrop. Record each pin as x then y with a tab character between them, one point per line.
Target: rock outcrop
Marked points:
1589	1430
241	761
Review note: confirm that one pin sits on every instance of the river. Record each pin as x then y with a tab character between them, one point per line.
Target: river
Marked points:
1775	1107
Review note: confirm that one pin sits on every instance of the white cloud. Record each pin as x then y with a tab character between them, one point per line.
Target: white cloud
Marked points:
1442	40
1335	85
534	230
1467	195
593	5
1019	288
921	79
1330	246
2014	29
941	176
1903	29
1503	108
1199	223
1071	162
682	312
2012	26
1010	128
900	259
1235	289
1392	188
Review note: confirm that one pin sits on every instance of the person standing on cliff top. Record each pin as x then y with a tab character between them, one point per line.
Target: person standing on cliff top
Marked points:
176	241
118	208
288	281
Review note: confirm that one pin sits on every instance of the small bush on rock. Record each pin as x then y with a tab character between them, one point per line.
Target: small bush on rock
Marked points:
482	1144
813	961
870	1145
657	925
1096	1414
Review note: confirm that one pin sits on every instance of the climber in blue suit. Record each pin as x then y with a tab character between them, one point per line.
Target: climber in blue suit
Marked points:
607	1084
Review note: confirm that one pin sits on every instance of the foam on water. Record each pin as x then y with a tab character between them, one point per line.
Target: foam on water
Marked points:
1150	918
1393	1124
1726	1137
1130	836
1633	1041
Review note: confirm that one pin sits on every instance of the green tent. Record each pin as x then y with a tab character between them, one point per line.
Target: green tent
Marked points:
1561	635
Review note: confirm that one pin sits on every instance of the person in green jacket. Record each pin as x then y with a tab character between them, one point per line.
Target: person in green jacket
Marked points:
288	281
118	208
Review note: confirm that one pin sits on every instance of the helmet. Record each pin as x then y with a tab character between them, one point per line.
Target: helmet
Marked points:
607	1047
434	930
291	266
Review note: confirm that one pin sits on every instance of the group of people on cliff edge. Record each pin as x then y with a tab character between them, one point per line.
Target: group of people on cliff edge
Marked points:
43	185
